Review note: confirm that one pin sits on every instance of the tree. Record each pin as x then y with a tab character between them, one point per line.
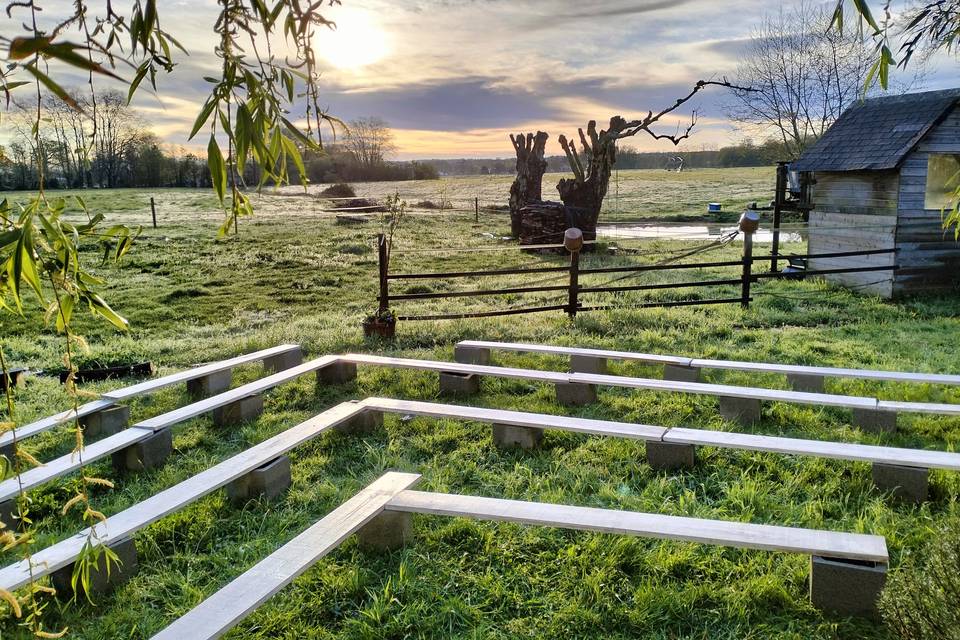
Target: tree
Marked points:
118	131
527	187
804	73
370	141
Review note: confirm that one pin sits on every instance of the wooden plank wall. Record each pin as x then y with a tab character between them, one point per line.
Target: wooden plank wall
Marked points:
928	255
855	211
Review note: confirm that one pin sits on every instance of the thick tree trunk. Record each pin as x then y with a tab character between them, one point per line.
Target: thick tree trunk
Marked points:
527	187
584	193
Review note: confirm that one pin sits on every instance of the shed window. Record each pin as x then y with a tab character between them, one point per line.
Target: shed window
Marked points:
943	177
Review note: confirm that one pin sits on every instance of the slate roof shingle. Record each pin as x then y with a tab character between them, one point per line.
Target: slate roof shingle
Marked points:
877	133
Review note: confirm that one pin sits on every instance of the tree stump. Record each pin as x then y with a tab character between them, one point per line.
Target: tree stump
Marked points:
528	185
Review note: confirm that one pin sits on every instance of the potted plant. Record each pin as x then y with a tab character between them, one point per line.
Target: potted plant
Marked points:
383	323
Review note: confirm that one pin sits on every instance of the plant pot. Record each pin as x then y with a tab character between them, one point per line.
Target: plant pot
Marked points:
381	328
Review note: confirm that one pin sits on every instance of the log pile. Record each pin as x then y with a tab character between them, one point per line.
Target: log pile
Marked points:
546	222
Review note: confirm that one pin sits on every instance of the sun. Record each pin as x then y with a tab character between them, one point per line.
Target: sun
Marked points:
358	40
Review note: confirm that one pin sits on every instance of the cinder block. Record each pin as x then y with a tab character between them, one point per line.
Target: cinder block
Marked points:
680	373
508	436
471	355
210	385
575	394
8	509
388	531
284	361
337	373
17	378
875	420
806	383
101	580
668	456
146	454
908	484
362	424
846	587
106	422
459	384
746	411
238	411
588	364
268	482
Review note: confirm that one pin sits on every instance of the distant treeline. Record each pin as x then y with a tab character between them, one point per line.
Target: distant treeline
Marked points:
745	154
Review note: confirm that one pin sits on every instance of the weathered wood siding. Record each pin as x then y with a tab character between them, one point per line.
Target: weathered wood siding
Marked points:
831	232
928	256
855	211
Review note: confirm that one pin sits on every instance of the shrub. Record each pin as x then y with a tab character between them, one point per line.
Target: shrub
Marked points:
339	190
920	601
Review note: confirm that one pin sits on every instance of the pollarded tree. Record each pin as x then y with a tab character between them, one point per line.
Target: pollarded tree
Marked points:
594	162
527	187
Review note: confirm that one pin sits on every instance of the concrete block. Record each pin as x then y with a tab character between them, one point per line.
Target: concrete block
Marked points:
846	587
908	484
337	373
471	355
238	411
507	436
575	394
388	531
668	456
806	383
106	422
459	384
875	421
362	424
681	373
101	580
8	509
268	482
17	378
746	411
284	361
210	385
146	454
588	364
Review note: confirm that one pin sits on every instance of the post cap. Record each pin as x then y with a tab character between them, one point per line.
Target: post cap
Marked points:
573	239
749	221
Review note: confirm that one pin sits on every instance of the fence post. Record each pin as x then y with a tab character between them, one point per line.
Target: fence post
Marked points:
153	212
749	222
476	209
382	259
778	202
573	241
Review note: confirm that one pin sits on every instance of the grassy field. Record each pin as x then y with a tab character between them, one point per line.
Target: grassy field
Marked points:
294	275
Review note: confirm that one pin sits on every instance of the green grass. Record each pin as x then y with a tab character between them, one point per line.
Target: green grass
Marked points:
296	276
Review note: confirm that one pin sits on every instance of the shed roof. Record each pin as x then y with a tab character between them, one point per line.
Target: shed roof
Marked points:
877	133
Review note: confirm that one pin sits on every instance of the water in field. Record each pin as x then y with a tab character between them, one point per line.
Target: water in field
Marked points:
692	232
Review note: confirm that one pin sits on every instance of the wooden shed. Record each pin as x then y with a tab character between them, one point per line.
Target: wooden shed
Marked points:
880	180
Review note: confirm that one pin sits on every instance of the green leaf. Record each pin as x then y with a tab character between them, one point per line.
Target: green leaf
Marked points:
100	307
218	168
54	88
203	117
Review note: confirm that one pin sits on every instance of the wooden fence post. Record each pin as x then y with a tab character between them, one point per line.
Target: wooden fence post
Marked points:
153	212
476	209
778	202
749	222
573	241
382	259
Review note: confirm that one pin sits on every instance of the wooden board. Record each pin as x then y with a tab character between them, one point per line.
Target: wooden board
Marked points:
110	398
150	386
129	521
455	367
52	422
142	430
224	609
851	546
518	418
761	367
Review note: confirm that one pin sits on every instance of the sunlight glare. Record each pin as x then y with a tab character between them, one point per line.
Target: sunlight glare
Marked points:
358	40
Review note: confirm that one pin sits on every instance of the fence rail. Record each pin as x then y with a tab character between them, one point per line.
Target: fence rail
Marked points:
574	290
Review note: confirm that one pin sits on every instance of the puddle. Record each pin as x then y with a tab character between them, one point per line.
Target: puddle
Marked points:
692	232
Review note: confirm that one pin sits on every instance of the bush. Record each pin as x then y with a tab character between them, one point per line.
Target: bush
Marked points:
339	190
922	599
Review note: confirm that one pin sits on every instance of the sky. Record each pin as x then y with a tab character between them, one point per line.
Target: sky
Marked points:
454	77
